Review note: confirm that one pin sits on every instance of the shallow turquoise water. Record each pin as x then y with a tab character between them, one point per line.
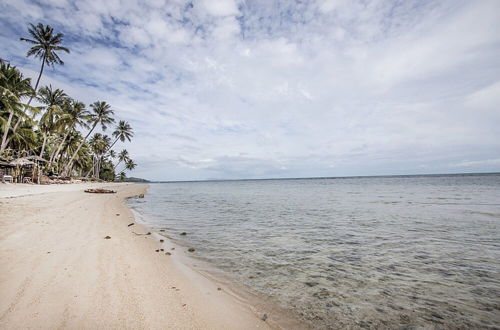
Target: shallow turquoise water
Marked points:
355	252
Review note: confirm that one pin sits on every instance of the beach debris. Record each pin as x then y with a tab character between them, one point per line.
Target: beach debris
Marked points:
311	284
264	317
183	233
100	191
162	250
168	253
173	287
107	237
130	224
162	230
118	214
172	249
141	196
161	241
219	289
148	233
183	305
157	250
48	252
191	250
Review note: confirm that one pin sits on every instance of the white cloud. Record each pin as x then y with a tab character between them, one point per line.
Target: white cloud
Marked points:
221	7
279	88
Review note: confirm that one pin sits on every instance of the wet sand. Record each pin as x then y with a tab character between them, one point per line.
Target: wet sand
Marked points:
59	271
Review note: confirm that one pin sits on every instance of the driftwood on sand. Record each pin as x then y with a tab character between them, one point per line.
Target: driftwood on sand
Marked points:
100	191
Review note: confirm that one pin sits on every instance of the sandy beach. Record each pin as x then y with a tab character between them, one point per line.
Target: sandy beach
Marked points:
59	271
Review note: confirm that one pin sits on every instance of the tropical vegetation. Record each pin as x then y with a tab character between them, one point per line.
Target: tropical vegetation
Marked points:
69	136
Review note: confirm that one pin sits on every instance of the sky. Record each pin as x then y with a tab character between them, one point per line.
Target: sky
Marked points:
230	89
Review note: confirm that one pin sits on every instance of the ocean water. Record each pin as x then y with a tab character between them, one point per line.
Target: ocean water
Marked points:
379	252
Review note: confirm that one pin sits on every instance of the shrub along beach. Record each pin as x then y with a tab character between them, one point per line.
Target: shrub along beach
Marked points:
57	139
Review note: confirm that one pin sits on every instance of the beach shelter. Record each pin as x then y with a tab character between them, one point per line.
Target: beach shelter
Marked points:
22	165
6	169
37	160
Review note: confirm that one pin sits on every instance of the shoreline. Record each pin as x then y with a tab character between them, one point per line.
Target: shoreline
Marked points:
60	271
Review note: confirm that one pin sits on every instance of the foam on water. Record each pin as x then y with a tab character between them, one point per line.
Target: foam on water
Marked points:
357	252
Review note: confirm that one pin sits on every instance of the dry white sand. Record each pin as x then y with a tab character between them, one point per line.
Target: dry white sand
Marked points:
58	271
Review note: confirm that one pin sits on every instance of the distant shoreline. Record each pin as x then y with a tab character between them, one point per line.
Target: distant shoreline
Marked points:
338	177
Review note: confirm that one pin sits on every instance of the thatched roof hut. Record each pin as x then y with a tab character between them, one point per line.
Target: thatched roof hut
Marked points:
36	159
22	162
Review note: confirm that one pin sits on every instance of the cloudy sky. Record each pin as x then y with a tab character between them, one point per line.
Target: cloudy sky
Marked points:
262	88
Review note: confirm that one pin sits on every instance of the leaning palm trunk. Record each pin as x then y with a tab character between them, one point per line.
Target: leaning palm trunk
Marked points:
114	167
43	144
4	137
16	126
70	163
55	154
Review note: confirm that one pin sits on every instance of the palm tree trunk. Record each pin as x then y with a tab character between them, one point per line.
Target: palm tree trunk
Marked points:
114	167
111	147
4	137
14	129
56	153
39	76
43	144
67	167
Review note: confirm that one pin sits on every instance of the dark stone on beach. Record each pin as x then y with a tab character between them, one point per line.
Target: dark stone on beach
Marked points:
183	305
161	241
404	318
157	250
107	237
191	250
168	253
251	276
130	224
149	233
141	196
162	230
48	252
118	214
436	315
311	284
183	233
219	289
162	250
172	249
264	317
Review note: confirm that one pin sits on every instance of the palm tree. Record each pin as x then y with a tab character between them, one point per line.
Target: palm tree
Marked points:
122	157
130	165
74	114
102	114
46	45
123	131
13	88
122	176
99	143
54	99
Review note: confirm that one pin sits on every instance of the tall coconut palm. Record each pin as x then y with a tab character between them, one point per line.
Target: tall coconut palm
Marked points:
122	157
99	143
101	114
46	44
54	100
13	88
122	132
130	165
74	114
